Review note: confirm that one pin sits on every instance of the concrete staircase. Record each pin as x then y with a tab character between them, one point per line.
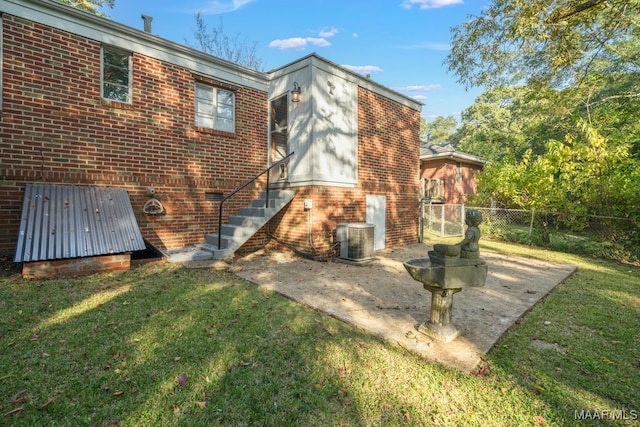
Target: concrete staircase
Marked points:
243	226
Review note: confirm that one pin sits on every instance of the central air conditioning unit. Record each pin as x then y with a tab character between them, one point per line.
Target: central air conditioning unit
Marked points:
356	241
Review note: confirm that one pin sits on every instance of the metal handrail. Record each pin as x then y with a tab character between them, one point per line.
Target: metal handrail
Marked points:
241	187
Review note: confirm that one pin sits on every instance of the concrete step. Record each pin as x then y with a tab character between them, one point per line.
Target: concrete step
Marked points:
240	228
247	221
237	231
260	212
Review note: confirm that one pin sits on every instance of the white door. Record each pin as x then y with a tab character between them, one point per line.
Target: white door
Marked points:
376	215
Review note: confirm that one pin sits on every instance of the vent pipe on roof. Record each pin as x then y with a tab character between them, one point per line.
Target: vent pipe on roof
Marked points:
147	23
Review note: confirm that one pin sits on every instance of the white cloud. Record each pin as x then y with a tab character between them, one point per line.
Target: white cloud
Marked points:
428	4
418	88
217	7
363	69
298	43
355	35
328	32
420	97
318	41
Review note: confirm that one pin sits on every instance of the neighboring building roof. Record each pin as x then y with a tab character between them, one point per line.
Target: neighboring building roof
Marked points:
447	151
67	221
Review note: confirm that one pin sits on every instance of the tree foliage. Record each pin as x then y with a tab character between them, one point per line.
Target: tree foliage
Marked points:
558	42
92	6
584	174
439	130
215	41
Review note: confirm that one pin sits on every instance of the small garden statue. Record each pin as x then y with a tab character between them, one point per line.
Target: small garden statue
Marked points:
468	247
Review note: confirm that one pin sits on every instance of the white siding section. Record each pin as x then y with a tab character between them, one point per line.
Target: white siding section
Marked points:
323	126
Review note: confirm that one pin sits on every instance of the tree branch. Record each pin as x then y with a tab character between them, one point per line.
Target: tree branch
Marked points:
560	14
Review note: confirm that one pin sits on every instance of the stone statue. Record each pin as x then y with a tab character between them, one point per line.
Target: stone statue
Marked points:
468	248
448	270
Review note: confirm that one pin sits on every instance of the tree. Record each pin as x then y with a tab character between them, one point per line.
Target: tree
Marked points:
512	120
557	42
216	42
92	6
583	174
438	130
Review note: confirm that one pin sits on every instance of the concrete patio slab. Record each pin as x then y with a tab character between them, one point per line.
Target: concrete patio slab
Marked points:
381	297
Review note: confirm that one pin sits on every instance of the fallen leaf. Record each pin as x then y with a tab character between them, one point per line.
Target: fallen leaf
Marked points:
539	419
13	411
176	410
182	379
118	393
407	417
201	405
19	397
47	403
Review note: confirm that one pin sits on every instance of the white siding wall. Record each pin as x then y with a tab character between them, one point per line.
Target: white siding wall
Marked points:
323	126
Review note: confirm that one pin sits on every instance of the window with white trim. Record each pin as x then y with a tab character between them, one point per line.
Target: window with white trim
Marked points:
215	108
116	74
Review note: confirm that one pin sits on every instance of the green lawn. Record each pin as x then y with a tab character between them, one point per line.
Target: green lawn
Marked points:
163	345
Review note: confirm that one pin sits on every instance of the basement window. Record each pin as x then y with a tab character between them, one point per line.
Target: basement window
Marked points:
213	197
215	108
116	74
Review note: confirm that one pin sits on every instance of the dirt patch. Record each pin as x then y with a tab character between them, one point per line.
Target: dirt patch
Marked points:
8	267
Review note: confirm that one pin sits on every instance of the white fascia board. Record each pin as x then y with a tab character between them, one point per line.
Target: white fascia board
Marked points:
101	29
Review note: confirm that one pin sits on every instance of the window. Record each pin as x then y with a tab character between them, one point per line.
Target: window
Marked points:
459	173
215	108
116	74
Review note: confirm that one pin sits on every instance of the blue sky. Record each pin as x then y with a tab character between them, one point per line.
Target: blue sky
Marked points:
399	43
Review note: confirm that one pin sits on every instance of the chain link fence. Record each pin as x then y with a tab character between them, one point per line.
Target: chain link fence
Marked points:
600	236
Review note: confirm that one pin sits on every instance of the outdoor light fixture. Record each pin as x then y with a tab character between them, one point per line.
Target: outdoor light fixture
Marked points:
295	93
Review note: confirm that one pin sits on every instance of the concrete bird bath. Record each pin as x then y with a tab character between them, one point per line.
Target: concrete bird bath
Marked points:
448	270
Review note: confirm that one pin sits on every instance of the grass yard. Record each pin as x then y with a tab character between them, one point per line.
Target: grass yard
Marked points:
163	345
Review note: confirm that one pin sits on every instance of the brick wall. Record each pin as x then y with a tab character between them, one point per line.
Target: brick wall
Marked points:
388	164
445	170
55	128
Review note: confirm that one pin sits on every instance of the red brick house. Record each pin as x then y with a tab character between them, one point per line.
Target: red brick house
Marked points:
447	175
86	101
